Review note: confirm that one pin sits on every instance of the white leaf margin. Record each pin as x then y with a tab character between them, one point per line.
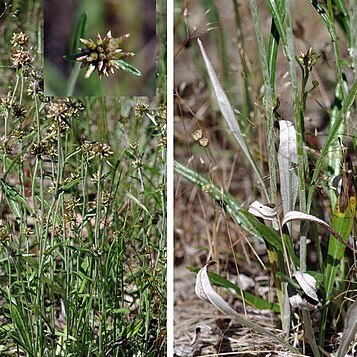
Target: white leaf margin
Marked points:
287	159
258	209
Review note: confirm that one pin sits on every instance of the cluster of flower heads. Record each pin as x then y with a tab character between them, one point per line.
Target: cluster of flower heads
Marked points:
17	110
141	109
4	231
102	54
61	112
64	109
308	60
158	118
21	59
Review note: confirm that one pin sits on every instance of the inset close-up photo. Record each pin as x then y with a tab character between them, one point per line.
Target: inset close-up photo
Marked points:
100	48
265	178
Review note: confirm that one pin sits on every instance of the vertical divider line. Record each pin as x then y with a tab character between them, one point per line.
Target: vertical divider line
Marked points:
170	178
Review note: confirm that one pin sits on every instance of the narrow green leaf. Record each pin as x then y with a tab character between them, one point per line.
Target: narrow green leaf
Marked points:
121	311
133	198
267	233
342	222
228	115
272	55
19	320
14	199
79	31
277	12
67	186
223	198
126	67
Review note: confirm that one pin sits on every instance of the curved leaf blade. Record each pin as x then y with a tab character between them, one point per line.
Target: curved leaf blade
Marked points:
253	300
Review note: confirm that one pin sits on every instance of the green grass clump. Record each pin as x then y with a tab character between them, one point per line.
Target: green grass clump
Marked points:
82	214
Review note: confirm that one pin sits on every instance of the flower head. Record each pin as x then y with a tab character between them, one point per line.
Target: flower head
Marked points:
101	54
19	39
20	56
309	59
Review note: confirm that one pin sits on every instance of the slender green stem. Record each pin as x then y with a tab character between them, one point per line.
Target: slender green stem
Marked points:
274	40
246	103
73	79
97	235
269	106
335	153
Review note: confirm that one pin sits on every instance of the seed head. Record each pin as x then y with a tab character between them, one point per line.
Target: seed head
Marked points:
20	58
6	101
101	54
19	39
64	109
18	111
40	149
141	108
101	150
4	232
87	147
18	134
163	142
20	55
309	59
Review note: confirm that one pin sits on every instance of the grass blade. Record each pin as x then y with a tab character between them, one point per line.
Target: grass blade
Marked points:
224	199
14	199
331	137
268	100
126	67
229	116
269	234
342	221
251	299
23	337
204	290
79	32
278	16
